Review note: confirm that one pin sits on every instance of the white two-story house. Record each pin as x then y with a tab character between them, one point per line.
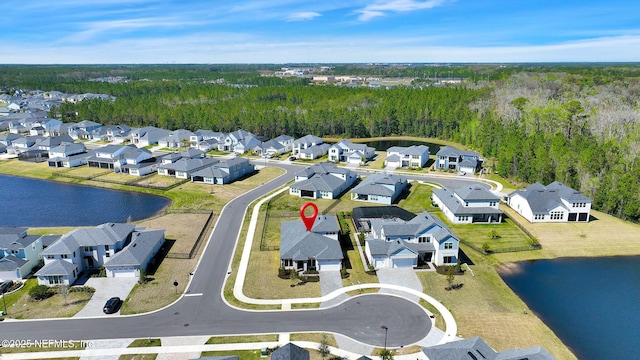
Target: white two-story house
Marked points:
468	205
397	243
555	202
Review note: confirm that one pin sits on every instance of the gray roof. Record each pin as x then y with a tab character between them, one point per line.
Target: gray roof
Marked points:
19	243
375	184
479	349
11	262
418	225
324	168
388	248
308	139
411	150
192	153
56	267
326	224
290	352
451	151
186	164
322	182
299	244
49	239
65	147
142	244
542	199
105	234
454	205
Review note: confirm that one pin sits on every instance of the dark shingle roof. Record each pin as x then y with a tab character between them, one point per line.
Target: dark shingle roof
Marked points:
299	244
290	352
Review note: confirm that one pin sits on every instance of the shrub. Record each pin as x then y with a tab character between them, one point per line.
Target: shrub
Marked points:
486	248
40	292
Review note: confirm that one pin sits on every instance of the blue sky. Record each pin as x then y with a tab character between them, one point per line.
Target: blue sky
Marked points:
327	31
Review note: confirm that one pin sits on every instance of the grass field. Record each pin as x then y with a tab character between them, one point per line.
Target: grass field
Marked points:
21	306
486	307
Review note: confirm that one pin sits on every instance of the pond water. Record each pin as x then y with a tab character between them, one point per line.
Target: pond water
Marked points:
383	145
40	203
592	304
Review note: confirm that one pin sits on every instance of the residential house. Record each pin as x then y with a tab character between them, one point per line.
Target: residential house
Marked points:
117	134
346	151
322	181
85	130
176	139
68	155
23	144
37	130
414	156
184	168
61	129
147	136
290	352
48	125
314	152
224	172
207	136
318	249
380	188
19	253
115	156
305	142
51	142
275	147
238	141
462	161
468	205
81	250
555	202
477	349
7	139
397	243
137	255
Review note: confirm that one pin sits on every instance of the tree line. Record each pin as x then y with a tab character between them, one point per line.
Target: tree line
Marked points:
574	123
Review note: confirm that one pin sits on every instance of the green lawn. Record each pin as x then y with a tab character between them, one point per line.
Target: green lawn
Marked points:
242	339
509	235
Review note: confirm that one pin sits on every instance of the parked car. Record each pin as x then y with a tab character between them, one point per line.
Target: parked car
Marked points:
5	286
111	305
292	158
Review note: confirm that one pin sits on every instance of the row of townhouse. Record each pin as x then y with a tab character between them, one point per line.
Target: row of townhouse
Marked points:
189	164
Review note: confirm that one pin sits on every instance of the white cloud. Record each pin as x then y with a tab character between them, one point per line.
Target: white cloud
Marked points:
382	8
246	48
300	16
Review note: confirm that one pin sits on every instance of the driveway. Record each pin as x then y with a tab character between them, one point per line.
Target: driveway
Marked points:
105	288
400	276
330	281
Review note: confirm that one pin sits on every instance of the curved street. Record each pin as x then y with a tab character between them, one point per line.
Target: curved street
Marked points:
203	311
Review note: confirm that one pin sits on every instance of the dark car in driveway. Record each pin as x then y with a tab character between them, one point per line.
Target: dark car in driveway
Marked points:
111	305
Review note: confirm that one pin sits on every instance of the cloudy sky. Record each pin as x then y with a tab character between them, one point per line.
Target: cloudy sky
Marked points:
320	31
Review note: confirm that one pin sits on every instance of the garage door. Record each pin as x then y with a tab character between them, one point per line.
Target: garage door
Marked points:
329	265
123	273
397	263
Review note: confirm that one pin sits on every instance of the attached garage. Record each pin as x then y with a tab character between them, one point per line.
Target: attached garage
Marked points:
403	262
328	265
121	273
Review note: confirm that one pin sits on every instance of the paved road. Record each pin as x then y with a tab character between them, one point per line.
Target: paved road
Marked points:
203	311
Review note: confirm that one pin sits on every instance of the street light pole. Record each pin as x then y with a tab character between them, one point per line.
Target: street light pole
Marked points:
385	336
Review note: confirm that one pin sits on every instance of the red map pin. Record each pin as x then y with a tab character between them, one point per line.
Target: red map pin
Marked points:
308	221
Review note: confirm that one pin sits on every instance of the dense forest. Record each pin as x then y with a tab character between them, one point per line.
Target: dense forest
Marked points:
575	123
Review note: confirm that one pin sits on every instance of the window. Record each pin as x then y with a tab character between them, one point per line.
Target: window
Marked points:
424	239
448	259
463	218
448	245
50	257
64	256
88	248
288	262
55	280
15	251
106	248
538	217
557	215
492	203
107	254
